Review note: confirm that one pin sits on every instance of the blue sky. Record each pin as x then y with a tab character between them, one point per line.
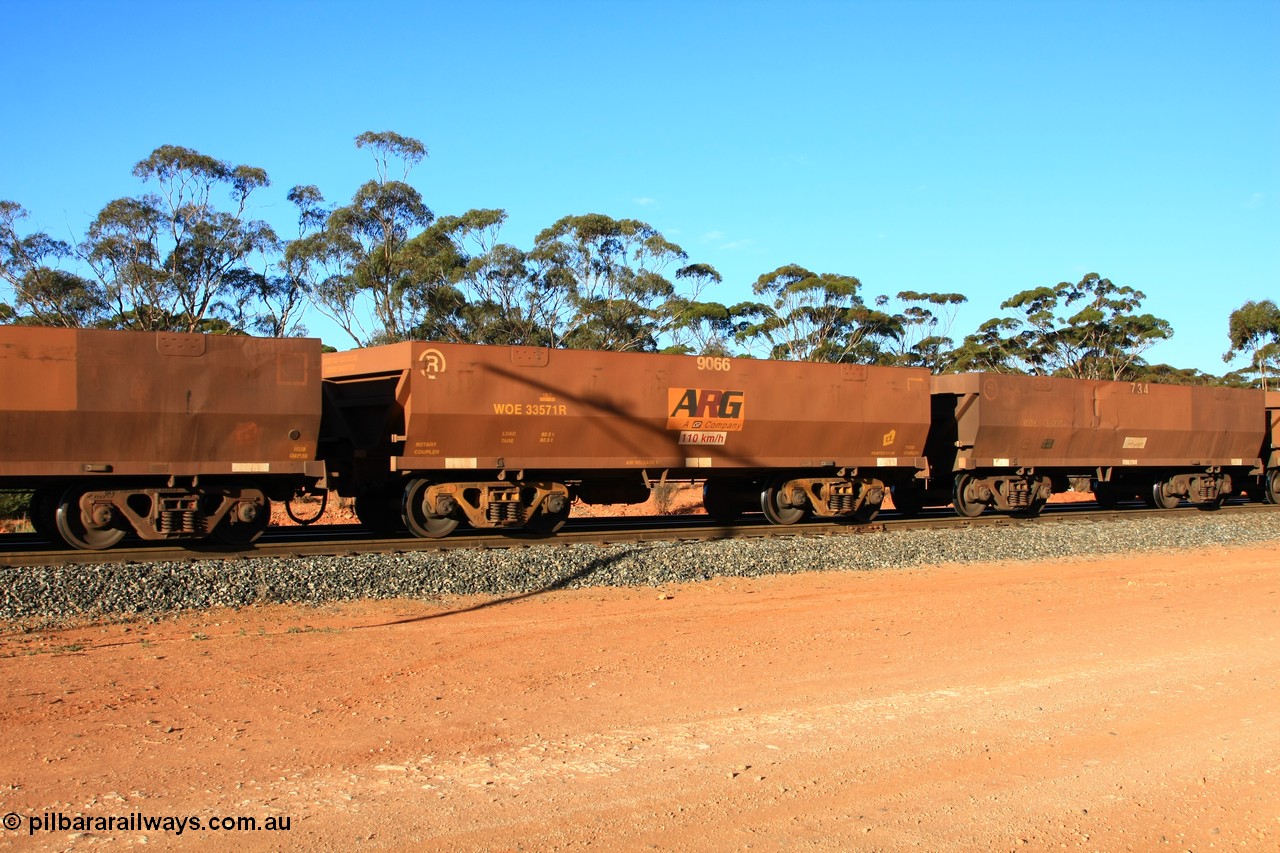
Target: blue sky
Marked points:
978	147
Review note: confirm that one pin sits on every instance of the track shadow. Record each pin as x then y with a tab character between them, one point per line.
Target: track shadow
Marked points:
561	583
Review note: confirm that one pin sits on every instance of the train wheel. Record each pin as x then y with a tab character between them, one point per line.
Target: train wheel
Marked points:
1159	499
240	533
963	501
552	513
71	526
546	523
420	520
773	510
1272	494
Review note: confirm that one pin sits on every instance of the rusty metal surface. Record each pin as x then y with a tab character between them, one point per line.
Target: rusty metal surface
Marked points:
1021	421
515	408
79	402
1272	451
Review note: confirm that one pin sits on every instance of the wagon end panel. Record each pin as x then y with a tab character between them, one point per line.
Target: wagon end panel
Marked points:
1013	421
1271	452
39	381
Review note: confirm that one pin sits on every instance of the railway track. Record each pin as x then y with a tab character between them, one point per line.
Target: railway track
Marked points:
27	549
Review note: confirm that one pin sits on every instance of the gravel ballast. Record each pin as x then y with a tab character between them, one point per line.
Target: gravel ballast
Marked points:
60	593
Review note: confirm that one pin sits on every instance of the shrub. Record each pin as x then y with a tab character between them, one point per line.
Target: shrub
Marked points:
14	504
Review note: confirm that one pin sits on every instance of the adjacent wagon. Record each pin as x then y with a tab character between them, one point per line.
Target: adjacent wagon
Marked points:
1010	441
170	436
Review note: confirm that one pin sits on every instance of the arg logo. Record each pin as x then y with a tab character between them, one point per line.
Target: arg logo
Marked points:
431	363
705	408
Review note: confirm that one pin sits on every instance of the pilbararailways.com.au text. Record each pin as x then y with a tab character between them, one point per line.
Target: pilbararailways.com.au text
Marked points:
139	822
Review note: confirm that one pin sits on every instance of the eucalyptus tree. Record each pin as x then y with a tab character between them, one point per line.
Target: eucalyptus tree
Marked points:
1086	330
805	316
696	325
172	259
612	273
43	292
355	266
510	303
276	293
1254	330
469	288
1167	374
993	348
506	297
925	325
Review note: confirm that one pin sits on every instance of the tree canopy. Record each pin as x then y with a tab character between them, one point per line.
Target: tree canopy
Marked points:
187	254
1254	330
1086	330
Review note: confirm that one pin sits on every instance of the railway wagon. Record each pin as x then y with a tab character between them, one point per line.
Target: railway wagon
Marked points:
500	436
1010	441
171	436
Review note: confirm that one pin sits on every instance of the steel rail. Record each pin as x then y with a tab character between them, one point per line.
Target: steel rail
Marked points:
27	549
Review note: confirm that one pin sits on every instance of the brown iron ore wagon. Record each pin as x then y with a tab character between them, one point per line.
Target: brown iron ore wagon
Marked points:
176	436
499	436
1010	441
171	436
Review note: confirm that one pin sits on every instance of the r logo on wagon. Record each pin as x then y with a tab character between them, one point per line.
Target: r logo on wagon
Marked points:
431	363
705	409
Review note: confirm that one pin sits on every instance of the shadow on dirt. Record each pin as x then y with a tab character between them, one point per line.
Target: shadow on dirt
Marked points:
561	583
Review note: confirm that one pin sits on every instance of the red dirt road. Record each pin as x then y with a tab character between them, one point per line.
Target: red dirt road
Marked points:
1129	704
